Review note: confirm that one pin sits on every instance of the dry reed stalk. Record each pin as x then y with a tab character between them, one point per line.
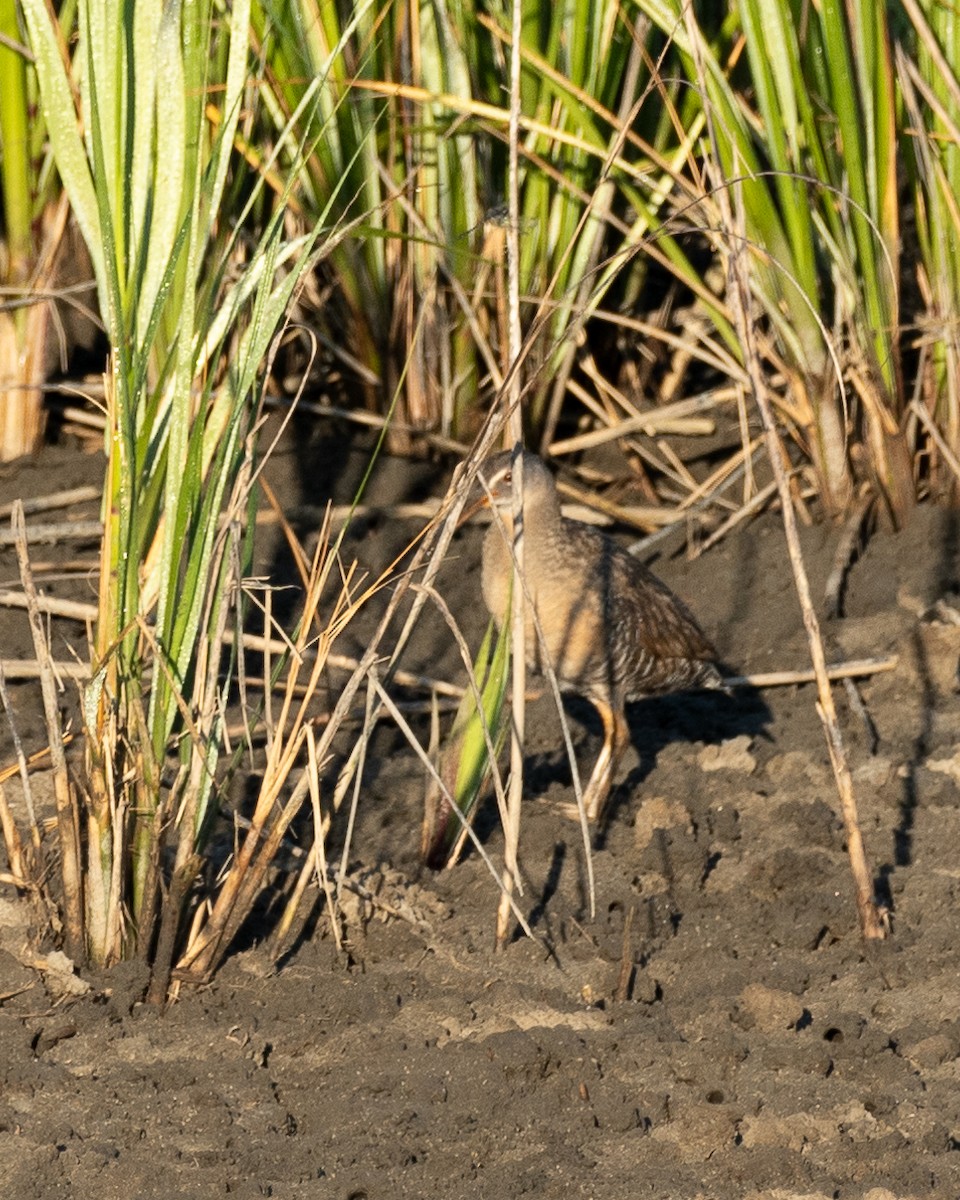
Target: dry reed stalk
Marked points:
78	610
936	436
75	610
345	662
622	990
26	668
852	669
89	427
701	505
662	466
55	500
855	700
711	354
314	863
410	707
750	509
506	889
5	996
845	552
50	571
24	339
640	384
358	758
872	925
291	733
16	856
741	461
321	826
280	938
211	941
61	531
642	517
676	418
677	465
22	765
68	827
278	515
345	512
518	663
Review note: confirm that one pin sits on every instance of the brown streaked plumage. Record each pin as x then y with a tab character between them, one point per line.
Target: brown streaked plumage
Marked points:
611	630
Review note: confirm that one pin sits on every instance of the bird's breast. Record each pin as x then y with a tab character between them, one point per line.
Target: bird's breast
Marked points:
565	597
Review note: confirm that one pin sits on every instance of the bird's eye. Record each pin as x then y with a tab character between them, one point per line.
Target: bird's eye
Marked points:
507	476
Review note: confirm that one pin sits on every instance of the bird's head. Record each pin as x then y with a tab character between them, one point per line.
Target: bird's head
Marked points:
495	482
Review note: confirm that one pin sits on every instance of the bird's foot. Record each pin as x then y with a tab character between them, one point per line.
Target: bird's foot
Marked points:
568	809
594	800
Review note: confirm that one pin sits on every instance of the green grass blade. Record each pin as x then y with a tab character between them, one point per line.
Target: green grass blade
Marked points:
15	146
60	118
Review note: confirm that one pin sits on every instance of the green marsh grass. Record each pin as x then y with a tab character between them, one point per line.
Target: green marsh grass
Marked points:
191	311
196	145
930	83
423	283
805	133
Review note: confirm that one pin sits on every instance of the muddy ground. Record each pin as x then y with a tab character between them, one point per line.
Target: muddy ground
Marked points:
717	1030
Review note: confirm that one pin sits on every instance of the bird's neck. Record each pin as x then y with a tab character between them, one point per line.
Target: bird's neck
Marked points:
541	520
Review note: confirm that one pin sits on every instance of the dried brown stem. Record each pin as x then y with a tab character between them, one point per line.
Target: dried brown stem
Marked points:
75	610
852	669
12	841
622	991
844	555
61	531
22	765
510	394
67	817
752	506
871	925
936	436
55	500
26	668
676	418
506	889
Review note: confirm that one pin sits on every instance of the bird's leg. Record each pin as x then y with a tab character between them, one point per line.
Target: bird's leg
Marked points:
616	736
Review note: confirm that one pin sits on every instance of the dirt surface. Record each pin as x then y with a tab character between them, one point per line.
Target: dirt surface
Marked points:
718	1029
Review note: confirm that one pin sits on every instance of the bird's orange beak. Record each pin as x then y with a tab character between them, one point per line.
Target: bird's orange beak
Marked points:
472	510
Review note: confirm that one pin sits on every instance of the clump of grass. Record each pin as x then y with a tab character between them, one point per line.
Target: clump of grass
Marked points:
289	779
191	311
930	82
423	288
805	132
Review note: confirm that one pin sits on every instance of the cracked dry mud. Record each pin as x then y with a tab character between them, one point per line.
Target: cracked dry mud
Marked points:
755	1047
